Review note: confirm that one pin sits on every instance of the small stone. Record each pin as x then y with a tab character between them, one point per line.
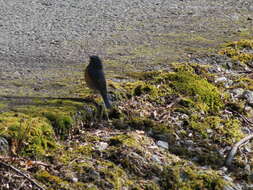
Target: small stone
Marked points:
228	83
17	73
219	69
249	110
237	92
156	159
247	168
248	95
224	169
102	146
163	144
184	116
221	79
209	130
74	179
189	142
227	178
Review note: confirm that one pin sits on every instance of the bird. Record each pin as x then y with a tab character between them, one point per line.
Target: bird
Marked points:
95	78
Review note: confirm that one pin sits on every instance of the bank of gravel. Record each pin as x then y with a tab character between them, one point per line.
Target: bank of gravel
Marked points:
44	44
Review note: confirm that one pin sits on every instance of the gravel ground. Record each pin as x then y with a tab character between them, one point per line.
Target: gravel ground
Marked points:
44	44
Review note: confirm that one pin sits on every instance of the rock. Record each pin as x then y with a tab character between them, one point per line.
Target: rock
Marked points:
228	83
156	159
74	179
189	142
237	92
163	144
94	174
248	95
221	80
102	146
209	131
249	110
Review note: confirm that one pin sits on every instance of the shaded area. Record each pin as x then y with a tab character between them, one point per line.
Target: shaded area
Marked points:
10	102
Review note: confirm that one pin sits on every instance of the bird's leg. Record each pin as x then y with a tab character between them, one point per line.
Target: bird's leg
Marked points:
106	112
102	111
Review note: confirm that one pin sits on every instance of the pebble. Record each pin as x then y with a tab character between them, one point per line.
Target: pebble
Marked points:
102	146
209	130
74	179
237	92
221	79
163	144
248	95
156	159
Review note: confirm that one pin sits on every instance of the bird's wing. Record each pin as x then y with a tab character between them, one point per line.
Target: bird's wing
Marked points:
99	81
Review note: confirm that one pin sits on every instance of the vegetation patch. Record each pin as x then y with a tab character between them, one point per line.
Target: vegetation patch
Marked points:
32	136
217	129
239	51
189	178
204	95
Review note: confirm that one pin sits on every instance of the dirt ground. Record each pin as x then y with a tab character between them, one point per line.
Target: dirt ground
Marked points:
44	45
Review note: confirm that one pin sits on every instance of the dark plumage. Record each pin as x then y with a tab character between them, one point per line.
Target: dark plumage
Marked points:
95	78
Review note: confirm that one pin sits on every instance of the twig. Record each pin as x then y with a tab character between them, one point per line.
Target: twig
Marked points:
234	149
245	119
21	173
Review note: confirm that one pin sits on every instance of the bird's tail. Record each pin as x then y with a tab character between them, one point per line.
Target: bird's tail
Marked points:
106	101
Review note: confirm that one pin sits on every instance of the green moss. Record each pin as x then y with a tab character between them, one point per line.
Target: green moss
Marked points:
222	130
76	151
148	75
190	178
114	175
102	174
2	105
205	95
241	44
62	123
125	140
85	150
145	89
30	135
244	82
54	182
236	50
195	88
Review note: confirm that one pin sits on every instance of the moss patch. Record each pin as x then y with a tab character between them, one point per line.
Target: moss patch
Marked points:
205	96
30	135
239	51
188	178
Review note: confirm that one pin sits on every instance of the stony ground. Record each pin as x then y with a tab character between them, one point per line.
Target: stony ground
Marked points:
44	45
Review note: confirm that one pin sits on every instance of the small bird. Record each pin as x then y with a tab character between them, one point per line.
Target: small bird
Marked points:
95	78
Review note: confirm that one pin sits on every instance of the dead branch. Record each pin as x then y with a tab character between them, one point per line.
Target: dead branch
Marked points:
234	149
21	173
245	119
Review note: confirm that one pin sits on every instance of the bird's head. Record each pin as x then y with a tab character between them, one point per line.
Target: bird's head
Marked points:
95	62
